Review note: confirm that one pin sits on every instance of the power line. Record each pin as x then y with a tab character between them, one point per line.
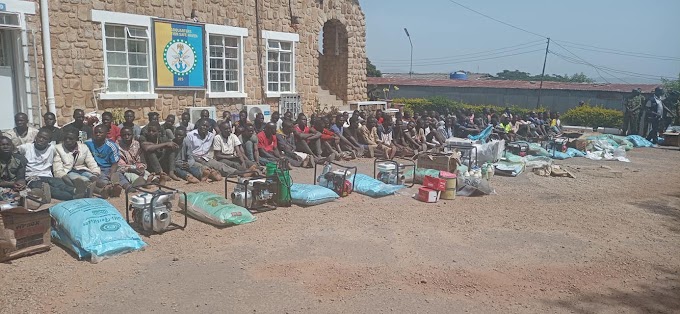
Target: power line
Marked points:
462	55
497	20
590	64
629	73
460	58
468	60
621	51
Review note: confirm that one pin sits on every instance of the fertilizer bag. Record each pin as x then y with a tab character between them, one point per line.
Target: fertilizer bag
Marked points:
310	195
421	173
366	185
96	227
639	141
60	237
215	209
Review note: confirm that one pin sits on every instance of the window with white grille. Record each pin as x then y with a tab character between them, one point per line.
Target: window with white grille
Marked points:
127	59
280	66
225	64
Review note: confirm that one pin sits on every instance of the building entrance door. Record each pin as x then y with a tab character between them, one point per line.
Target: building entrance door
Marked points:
8	79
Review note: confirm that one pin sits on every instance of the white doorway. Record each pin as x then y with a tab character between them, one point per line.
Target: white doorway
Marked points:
8	77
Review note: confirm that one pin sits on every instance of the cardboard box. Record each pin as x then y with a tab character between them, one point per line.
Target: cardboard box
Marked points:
428	195
433	183
24	232
671	139
441	162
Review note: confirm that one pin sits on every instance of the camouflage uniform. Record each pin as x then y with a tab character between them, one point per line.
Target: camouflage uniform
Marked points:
631	118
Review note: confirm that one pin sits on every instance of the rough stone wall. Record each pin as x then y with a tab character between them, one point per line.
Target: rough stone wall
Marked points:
332	66
79	64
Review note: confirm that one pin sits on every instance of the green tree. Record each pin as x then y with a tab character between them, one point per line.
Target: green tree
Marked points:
517	75
371	70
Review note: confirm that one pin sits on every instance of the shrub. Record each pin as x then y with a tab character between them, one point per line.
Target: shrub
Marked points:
593	116
438	103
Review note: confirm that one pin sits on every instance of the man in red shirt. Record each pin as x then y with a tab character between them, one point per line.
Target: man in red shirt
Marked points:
114	130
267	144
329	141
307	141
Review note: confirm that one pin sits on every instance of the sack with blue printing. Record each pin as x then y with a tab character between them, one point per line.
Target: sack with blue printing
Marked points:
310	195
94	226
366	185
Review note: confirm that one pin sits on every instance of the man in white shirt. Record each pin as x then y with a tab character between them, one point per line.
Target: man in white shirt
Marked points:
21	133
40	157
227	149
655	114
200	144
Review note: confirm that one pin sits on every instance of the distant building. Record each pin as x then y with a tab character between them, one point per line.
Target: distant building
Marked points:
555	95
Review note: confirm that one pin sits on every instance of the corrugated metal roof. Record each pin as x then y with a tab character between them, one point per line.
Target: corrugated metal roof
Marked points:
646	88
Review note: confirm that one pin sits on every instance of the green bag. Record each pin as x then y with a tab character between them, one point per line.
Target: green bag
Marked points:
215	209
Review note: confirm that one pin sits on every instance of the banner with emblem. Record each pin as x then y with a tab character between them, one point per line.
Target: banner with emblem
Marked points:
179	48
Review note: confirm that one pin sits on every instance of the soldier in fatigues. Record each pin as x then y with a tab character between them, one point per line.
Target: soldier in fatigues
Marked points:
631	119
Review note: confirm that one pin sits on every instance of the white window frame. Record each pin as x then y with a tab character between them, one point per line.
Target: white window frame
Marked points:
281	37
126	19
227	31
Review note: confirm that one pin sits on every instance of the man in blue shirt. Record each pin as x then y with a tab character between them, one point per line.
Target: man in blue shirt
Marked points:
105	152
339	129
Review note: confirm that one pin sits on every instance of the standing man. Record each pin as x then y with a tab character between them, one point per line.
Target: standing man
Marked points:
130	123
655	114
21	133
50	123
84	130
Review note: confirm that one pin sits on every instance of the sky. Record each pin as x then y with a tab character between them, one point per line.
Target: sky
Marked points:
447	37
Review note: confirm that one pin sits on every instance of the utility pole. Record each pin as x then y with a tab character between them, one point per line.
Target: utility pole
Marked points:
410	72
540	87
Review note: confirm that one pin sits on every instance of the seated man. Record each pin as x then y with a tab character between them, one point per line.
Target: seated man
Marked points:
185	166
351	133
84	130
130	163
346	145
130	123
12	171
74	163
399	140
106	155
185	121
40	157
385	139
248	140
205	114
330	143
114	131
286	144
153	117
504	129
267	144
306	140
21	133
159	152
200	143
227	147
259	123
168	127
226	117
50	123
369	137
433	136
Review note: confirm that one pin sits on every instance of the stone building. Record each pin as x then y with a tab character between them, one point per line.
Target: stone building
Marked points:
58	55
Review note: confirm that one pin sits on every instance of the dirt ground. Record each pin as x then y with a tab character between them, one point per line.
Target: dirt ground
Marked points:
593	244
